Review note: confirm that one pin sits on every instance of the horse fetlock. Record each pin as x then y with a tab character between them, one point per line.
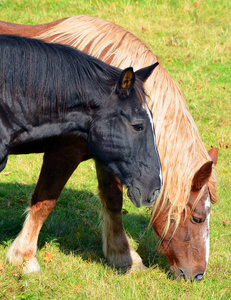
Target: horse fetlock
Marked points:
16	257
14	254
129	259
17	253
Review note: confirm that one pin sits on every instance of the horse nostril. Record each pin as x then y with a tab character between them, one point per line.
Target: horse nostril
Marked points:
198	277
155	195
182	275
148	202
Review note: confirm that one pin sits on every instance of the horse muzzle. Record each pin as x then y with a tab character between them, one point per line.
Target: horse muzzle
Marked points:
135	194
184	273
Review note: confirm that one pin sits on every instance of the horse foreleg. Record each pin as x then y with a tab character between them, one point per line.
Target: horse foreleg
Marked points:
116	246
58	165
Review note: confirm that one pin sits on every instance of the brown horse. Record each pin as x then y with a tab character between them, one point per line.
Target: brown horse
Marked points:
181	214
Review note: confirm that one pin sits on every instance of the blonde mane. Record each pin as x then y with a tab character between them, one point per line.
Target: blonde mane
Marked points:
179	144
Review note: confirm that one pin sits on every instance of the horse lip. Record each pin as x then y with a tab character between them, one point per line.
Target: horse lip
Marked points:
197	278
135	196
178	272
182	275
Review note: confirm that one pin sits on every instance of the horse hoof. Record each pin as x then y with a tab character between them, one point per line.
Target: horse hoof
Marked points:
31	266
137	267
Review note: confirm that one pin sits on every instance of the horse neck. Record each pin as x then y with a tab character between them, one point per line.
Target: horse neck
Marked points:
26	30
99	38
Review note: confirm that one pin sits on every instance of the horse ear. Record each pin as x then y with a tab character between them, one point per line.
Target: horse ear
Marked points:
125	83
144	73
202	176
213	153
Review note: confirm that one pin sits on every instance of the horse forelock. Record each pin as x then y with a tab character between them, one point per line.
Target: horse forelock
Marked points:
179	144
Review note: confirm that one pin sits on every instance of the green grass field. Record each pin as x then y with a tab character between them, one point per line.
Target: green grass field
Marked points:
193	42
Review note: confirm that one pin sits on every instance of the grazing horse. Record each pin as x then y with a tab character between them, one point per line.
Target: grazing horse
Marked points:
53	97
181	214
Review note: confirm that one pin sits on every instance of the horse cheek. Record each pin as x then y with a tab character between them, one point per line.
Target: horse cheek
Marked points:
95	143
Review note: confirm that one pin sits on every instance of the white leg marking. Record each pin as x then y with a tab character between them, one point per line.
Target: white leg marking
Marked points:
25	243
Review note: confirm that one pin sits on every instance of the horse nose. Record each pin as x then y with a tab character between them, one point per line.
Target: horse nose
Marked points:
198	277
185	275
154	196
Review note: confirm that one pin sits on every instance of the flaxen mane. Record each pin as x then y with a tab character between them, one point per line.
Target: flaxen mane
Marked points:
180	147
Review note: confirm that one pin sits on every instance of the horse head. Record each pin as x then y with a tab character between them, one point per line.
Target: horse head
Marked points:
187	245
122	137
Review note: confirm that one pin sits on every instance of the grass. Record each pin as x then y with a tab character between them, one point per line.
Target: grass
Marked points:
193	43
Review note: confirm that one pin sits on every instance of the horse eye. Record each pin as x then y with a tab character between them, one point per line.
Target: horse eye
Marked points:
196	220
138	127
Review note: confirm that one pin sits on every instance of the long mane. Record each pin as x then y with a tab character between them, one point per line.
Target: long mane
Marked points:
179	144
51	77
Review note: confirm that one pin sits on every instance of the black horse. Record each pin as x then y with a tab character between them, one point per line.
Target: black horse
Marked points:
52	96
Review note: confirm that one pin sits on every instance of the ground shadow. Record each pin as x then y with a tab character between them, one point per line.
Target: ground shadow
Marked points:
74	225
